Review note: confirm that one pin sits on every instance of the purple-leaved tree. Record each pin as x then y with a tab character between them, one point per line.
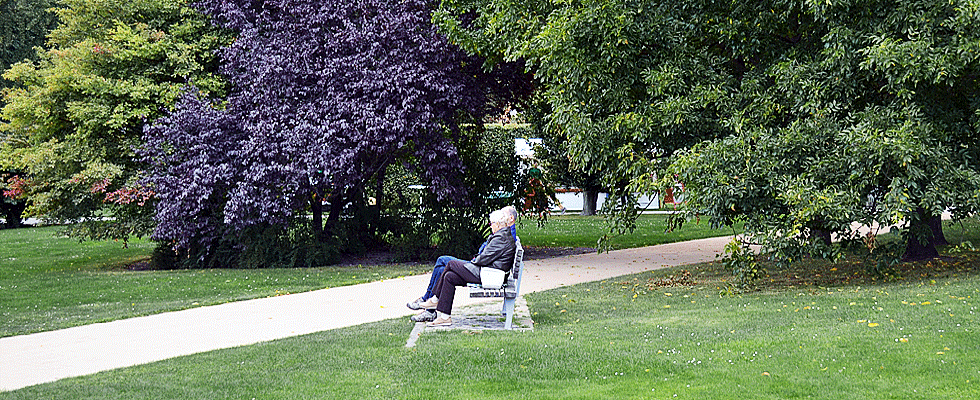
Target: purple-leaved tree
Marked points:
326	95
195	156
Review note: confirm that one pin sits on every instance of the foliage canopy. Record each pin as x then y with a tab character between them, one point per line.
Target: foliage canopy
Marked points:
796	117
326	97
73	120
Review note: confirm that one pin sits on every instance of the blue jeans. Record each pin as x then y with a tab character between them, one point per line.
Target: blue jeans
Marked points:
436	273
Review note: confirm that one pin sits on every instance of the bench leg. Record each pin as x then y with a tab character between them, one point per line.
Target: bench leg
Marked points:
509	312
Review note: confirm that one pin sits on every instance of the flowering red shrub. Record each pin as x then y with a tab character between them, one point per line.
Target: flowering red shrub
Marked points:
16	187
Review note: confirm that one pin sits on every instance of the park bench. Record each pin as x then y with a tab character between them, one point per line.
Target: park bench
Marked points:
510	290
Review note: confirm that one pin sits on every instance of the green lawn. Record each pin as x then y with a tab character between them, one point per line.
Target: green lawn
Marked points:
49	282
579	231
657	335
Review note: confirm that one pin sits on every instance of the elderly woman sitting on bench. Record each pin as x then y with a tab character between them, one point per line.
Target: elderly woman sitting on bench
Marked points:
498	253
430	314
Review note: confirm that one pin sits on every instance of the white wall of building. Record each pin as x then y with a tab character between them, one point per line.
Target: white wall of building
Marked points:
574	200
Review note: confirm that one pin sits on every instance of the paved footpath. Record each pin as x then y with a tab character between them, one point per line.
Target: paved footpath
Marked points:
49	356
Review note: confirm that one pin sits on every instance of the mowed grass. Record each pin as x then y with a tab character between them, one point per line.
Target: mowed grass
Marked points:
579	231
664	334
50	282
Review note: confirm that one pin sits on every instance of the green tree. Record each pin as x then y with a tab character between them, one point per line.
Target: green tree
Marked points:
628	82
76	114
881	124
795	117
554	154
23	25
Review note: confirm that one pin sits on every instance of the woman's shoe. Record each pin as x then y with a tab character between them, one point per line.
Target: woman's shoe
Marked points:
429	304
414	305
448	321
424	316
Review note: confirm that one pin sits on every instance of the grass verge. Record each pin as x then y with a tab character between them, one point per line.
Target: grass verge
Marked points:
657	335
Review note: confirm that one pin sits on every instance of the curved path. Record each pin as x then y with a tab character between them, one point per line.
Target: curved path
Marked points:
49	356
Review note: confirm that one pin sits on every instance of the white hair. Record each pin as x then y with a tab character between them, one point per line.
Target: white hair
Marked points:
511	213
498	217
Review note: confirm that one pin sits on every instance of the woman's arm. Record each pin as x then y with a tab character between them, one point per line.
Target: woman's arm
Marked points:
497	247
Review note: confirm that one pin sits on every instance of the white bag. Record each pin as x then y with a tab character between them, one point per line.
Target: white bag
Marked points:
492	278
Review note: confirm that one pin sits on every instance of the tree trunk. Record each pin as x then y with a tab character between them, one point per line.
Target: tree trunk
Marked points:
817	233
336	208
915	250
379	191
12	212
316	206
921	243
936	225
821	235
590	201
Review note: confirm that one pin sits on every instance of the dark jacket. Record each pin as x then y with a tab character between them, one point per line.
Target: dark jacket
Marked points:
498	254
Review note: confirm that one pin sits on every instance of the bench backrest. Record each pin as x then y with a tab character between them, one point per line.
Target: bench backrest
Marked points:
514	278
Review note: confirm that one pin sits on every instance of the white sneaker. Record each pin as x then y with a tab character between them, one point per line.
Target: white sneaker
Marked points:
424	316
414	304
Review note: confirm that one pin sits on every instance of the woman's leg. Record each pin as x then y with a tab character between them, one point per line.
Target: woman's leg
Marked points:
436	273
455	274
